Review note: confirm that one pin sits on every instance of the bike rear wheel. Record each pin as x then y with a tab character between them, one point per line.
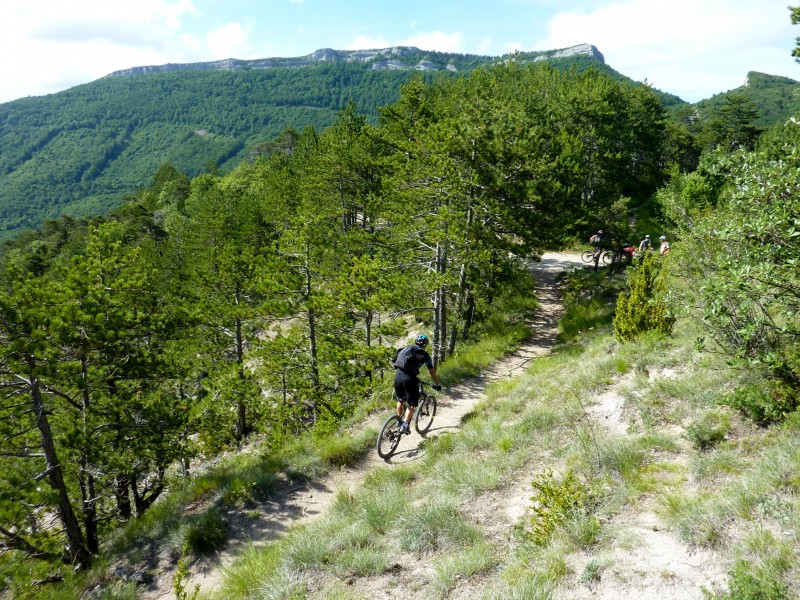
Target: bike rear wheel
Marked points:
389	437
426	410
587	256
608	257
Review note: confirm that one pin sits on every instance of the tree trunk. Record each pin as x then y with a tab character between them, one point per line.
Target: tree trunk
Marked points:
144	500
241	407
312	325
469	317
440	310
368	336
90	515
462	293
76	547
123	496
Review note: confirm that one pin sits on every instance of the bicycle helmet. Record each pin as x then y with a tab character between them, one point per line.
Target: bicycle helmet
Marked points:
647	237
422	340
663	237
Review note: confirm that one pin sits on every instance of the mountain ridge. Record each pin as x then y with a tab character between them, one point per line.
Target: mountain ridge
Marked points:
380	58
82	150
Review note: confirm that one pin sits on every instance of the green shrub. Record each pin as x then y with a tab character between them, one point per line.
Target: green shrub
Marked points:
555	502
746	582
238	492
707	431
642	308
765	403
591	573
207	532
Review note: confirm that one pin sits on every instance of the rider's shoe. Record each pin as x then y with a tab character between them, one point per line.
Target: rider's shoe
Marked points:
404	428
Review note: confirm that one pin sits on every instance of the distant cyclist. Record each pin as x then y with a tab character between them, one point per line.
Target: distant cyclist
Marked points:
664	245
597	240
408	362
645	244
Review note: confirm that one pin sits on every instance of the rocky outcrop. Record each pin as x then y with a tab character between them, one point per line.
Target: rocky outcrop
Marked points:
587	49
395	57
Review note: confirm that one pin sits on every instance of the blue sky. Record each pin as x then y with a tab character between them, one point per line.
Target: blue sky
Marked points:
691	48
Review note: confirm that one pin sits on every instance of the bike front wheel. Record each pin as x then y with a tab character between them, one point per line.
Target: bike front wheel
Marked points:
587	256
426	410
389	437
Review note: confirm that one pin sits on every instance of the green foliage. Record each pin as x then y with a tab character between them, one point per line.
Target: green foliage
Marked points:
591	573
589	301
741	269
732	125
764	402
81	151
556	502
437	524
206	533
643	307
707	431
267	299
747	583
181	574
342	450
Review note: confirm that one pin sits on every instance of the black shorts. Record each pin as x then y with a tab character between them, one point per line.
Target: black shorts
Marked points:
407	388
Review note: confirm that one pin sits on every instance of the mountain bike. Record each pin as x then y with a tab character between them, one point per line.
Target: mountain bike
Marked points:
606	256
389	437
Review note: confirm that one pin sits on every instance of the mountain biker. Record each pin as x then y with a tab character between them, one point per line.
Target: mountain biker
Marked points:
645	244
408	362
597	239
664	245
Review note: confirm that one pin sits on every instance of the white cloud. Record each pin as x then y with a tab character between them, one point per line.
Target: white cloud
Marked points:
485	46
49	45
229	41
689	48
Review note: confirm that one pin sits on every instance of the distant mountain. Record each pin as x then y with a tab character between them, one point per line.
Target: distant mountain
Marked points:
775	98
81	151
396	57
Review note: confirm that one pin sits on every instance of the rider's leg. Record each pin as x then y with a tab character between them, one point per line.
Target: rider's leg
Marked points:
409	414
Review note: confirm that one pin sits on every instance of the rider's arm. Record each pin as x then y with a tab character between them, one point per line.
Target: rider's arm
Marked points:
434	376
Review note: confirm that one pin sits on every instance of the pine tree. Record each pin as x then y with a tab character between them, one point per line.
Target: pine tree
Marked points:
643	307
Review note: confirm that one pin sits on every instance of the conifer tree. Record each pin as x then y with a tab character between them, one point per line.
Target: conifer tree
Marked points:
643	307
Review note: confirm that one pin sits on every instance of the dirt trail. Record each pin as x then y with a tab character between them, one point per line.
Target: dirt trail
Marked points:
645	560
301	503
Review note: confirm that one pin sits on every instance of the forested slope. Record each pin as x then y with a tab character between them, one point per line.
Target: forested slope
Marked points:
81	151
267	300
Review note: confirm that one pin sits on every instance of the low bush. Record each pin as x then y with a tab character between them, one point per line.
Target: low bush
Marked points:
748	583
707	431
764	403
555	502
206	533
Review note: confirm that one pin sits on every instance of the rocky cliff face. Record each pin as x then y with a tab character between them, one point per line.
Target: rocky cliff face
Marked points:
396	57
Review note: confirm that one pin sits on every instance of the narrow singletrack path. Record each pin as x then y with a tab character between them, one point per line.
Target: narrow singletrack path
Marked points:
302	502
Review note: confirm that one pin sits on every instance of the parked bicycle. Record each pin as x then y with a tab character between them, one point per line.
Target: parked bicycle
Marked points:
606	256
389	437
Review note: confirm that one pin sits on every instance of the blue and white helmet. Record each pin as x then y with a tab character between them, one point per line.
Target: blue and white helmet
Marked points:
422	340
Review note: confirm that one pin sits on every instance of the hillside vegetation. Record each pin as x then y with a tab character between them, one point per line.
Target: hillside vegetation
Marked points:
82	151
608	470
262	304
